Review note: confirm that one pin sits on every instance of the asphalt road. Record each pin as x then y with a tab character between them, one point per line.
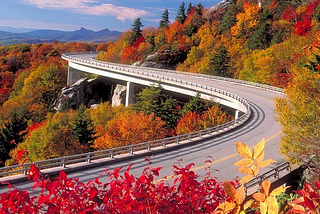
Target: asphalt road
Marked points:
221	149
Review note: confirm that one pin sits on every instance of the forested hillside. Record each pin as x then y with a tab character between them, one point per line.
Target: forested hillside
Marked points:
251	40
261	41
32	77
265	41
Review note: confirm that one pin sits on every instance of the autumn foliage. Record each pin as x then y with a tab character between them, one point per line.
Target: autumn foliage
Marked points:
130	129
274	42
192	121
146	193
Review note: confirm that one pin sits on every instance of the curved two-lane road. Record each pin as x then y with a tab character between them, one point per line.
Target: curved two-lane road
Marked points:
221	149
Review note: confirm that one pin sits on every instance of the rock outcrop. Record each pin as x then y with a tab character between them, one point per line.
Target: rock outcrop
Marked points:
84	91
119	95
221	5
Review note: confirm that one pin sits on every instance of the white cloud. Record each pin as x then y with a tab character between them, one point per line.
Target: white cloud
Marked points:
90	7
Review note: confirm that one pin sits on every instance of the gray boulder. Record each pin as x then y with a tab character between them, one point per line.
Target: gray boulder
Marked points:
84	91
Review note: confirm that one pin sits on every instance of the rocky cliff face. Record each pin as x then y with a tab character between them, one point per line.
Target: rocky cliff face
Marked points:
221	5
119	95
90	92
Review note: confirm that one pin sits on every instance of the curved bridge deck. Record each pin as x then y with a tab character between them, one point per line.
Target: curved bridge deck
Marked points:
220	148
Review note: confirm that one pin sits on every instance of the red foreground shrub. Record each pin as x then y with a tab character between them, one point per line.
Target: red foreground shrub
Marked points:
122	193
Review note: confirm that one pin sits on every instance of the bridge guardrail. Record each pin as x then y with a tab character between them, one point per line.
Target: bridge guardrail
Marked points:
273	173
110	153
224	79
88	157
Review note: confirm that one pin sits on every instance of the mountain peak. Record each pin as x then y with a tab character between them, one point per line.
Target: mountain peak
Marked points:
83	29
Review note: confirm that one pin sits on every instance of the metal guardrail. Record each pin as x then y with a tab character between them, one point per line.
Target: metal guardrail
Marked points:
273	173
110	153
224	79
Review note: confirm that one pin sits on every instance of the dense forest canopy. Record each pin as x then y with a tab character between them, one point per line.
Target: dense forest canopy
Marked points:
260	41
266	41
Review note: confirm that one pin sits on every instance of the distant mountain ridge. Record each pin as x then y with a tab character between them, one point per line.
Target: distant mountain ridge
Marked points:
39	36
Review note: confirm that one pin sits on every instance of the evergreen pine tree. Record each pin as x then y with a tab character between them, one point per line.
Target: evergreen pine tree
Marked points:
191	28
219	62
196	104
189	9
11	134
229	18
82	128
148	100
151	100
199	9
151	40
260	39
136	30
181	15
164	22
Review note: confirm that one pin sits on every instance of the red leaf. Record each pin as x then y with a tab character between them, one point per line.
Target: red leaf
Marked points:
147	159
309	203
38	184
188	167
116	172
53	187
35	172
93	193
156	171
63	176
20	154
143	179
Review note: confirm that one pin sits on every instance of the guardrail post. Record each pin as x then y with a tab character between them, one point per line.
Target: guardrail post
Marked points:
63	163
24	169
200	133
131	150
277	173
164	143
148	147
177	139
111	154
88	158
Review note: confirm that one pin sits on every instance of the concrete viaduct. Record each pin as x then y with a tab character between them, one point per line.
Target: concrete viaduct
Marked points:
255	120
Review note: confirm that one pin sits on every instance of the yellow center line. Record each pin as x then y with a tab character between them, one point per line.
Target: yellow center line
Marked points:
229	156
218	160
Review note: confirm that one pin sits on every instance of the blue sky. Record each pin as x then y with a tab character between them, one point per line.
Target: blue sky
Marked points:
95	15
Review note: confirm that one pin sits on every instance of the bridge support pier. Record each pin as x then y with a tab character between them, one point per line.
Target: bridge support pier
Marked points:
74	75
129	93
236	116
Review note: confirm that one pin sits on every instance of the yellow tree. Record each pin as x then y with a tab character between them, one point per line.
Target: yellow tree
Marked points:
259	67
299	112
247	20
214	116
51	139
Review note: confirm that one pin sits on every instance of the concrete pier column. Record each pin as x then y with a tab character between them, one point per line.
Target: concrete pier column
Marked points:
129	93
74	75
236	116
